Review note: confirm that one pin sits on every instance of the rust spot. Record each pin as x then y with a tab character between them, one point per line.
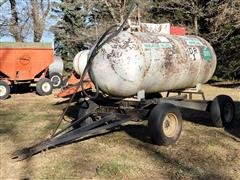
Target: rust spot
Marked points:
118	42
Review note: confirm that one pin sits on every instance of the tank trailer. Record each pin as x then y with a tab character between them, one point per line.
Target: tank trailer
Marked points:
126	73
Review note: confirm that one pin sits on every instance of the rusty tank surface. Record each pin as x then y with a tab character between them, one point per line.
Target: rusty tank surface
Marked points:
137	61
153	62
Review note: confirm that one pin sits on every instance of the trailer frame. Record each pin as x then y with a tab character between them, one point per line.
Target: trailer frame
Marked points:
112	112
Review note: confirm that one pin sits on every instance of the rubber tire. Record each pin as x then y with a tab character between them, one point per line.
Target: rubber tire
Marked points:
86	108
217	111
39	87
7	87
155	124
208	108
59	78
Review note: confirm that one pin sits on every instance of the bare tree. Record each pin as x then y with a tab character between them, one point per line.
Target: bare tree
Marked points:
39	15
24	19
14	28
2	2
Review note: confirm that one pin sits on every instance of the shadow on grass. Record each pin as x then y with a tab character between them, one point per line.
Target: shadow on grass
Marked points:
195	116
8	128
22	89
181	167
137	131
73	110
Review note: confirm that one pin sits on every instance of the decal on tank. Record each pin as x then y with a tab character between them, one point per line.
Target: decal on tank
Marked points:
194	53
192	41
161	45
206	54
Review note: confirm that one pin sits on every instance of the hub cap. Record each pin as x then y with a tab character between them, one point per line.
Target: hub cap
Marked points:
46	87
55	80
170	125
3	90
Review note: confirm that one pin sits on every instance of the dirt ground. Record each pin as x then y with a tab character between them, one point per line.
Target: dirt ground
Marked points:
202	152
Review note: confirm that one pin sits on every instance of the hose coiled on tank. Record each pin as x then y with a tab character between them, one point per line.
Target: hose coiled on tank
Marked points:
106	37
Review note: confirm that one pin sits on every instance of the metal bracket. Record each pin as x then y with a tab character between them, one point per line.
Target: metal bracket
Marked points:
189	91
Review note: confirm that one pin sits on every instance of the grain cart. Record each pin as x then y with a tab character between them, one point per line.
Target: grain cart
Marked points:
25	63
130	70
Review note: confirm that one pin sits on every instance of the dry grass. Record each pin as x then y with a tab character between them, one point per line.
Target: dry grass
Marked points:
202	152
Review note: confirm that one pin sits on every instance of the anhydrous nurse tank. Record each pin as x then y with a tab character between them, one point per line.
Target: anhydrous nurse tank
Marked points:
80	61
153	62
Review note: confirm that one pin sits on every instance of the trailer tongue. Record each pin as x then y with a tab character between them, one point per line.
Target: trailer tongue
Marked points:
69	135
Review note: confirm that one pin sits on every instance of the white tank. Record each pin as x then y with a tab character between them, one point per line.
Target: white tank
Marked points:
153	62
80	61
57	65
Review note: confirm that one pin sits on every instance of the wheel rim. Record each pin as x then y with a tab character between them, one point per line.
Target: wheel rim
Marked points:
3	90
228	112
55	80
170	125
46	87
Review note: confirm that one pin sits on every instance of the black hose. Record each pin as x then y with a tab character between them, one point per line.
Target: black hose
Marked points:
97	45
87	69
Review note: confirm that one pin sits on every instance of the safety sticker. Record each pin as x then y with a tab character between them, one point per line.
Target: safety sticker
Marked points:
193	41
206	54
157	45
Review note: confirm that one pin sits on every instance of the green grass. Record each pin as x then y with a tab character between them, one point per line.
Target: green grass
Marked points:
112	169
59	169
212	142
9	122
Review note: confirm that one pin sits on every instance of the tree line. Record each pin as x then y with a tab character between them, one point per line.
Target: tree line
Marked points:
25	17
81	22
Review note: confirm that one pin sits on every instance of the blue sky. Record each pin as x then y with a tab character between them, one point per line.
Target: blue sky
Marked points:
21	4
